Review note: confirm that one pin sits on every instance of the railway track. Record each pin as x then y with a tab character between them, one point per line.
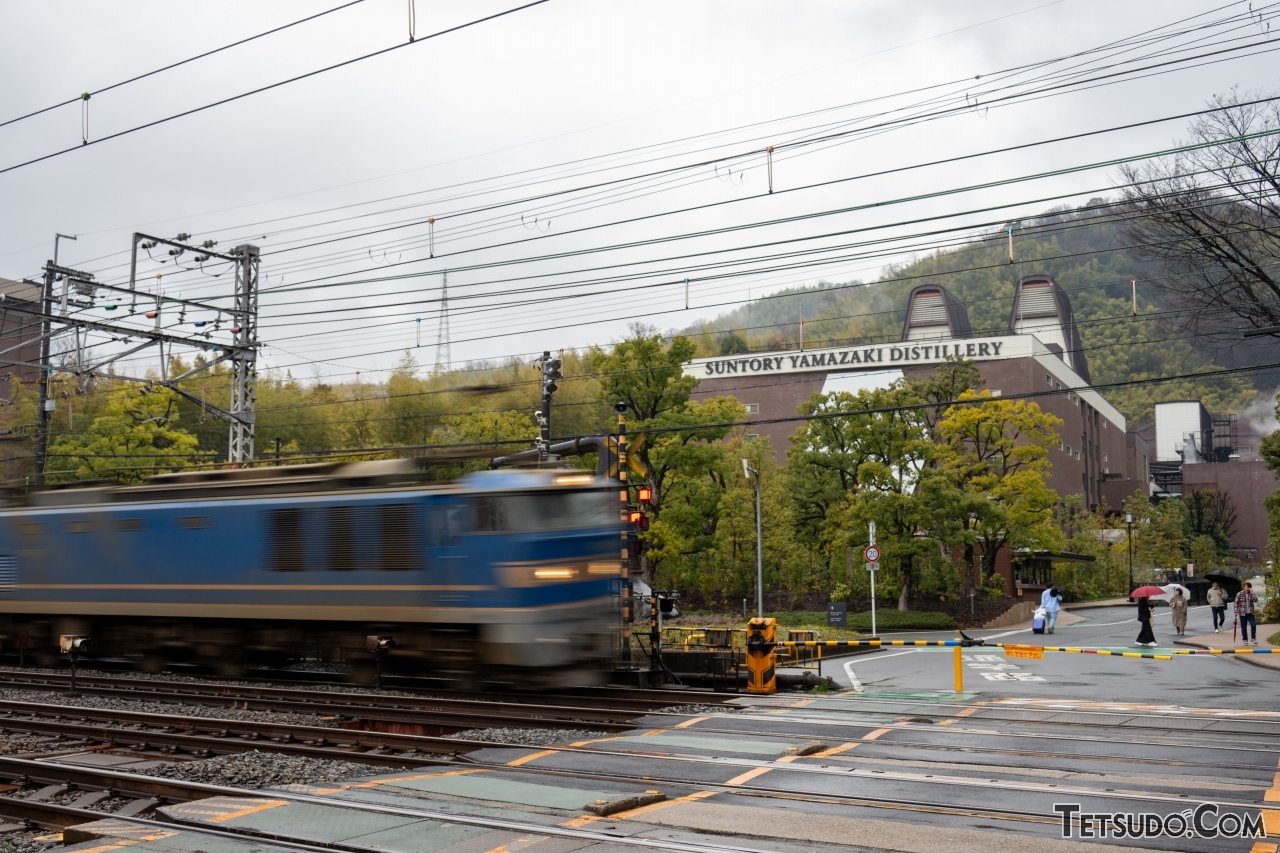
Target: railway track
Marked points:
434	714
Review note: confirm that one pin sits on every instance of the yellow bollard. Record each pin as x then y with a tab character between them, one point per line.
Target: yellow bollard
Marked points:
959	671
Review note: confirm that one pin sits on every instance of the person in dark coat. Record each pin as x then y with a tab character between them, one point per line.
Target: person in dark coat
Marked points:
1145	637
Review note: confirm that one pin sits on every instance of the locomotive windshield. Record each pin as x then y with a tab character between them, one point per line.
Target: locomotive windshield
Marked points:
530	513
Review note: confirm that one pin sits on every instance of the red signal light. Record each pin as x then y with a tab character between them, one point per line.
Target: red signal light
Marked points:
635	516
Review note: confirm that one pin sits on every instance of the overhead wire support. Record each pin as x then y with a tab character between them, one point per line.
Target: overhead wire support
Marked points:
241	352
244	360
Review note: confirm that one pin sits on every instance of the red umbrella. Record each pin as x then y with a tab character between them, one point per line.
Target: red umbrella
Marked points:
1146	591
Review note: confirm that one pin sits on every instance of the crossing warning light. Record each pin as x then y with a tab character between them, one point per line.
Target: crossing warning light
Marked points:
638	519
762	637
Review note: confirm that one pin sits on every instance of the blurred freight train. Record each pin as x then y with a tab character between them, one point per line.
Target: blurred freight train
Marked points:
503	575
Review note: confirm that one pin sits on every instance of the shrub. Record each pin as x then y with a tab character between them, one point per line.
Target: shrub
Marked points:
902	620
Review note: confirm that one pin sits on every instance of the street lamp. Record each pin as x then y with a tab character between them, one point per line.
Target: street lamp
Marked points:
1128	520
747	471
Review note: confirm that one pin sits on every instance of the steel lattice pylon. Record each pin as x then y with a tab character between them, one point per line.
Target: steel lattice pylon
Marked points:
244	360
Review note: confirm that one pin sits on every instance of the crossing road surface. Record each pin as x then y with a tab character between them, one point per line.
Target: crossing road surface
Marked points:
1201	680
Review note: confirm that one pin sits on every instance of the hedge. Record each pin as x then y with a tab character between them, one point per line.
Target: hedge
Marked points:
902	620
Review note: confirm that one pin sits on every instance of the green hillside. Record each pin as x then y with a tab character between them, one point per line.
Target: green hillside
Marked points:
1085	256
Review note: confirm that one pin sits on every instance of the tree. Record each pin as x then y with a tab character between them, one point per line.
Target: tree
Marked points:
134	439
997	453
1209	217
733	344
411	411
860	458
1211	514
679	448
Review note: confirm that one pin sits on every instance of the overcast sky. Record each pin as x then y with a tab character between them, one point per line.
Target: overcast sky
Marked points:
555	97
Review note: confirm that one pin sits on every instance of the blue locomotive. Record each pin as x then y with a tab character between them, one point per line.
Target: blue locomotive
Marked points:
501	575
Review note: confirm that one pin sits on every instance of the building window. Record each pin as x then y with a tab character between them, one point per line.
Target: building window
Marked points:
751	435
996	392
1104	457
1068	450
1049	378
1077	454
1060	445
751	408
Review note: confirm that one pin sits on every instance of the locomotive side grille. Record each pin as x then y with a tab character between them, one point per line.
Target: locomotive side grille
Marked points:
8	574
398	540
287	542
342	538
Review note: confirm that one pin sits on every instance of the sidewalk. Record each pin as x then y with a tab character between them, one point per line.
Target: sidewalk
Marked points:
1223	641
1064	618
1105	602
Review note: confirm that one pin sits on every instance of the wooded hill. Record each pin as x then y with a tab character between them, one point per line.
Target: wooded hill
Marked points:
1083	251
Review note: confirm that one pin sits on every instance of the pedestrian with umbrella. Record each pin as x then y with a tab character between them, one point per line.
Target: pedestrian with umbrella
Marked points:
1178	608
1143	594
1246	607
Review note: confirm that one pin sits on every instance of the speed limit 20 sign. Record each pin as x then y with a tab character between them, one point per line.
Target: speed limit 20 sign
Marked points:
872	554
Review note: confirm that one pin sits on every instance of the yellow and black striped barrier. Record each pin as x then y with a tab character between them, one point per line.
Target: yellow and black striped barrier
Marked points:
1075	651
831	644
1225	651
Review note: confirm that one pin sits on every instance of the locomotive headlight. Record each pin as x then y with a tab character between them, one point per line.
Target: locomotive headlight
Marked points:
554	574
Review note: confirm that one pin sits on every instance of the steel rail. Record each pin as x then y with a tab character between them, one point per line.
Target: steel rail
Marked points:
442	712
119	781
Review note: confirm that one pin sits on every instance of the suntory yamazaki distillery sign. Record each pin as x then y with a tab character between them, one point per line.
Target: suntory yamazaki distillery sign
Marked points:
875	356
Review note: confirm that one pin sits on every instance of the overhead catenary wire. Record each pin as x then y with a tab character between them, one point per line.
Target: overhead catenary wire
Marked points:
270	86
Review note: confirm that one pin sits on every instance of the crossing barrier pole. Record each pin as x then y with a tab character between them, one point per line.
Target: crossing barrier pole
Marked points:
959	670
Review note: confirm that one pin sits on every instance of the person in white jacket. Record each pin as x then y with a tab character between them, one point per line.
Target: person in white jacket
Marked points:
1051	602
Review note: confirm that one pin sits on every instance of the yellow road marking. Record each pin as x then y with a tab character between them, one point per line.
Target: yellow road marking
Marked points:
531	756
700	795
748	776
374	783
1263	847
688	723
1271	822
580	821
518	844
115	846
877	733
248	810
964	713
803	703
835	750
654	732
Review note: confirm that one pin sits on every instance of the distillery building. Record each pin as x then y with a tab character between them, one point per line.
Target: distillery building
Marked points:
1040	357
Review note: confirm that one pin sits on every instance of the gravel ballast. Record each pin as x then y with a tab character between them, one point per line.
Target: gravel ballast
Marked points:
254	770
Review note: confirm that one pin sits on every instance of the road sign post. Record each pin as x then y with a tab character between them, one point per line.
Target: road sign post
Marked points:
872	555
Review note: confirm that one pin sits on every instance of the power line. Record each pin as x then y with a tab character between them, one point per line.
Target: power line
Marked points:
271	86
182	62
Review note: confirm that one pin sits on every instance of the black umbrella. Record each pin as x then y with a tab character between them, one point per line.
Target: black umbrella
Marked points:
1229	583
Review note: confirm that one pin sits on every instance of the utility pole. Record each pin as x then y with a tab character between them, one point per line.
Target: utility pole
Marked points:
42	411
748	471
244	360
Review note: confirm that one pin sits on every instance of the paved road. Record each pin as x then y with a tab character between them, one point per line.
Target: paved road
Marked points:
1201	681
